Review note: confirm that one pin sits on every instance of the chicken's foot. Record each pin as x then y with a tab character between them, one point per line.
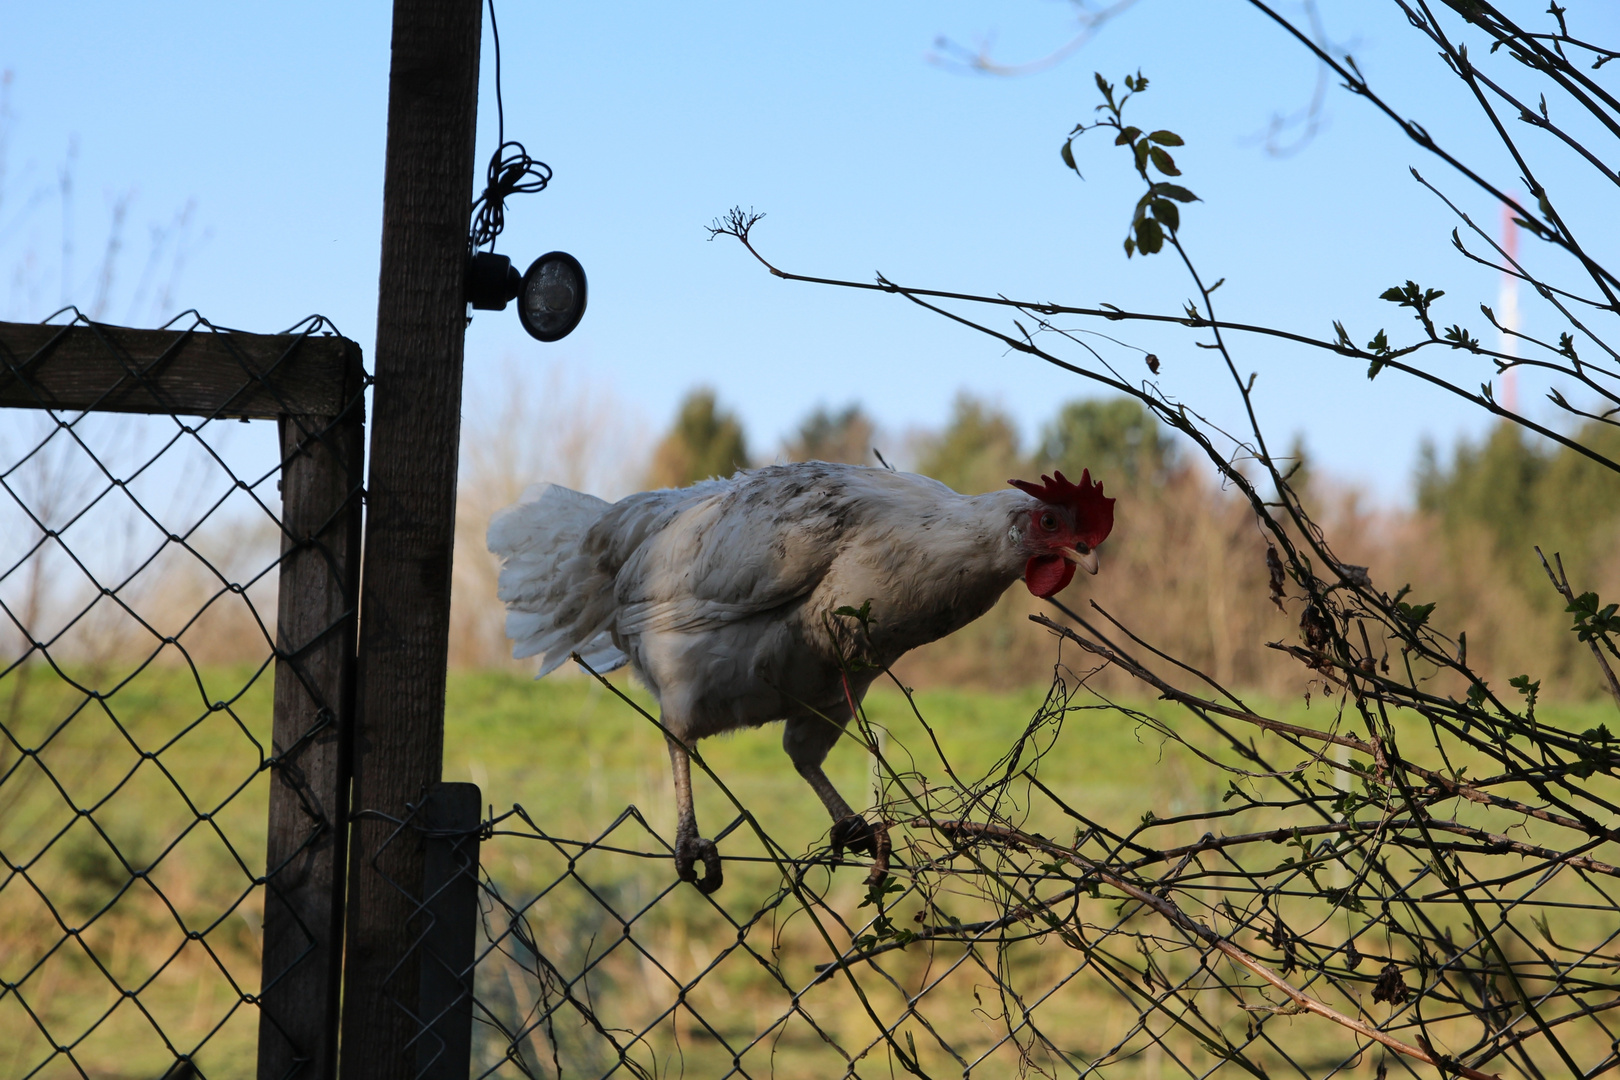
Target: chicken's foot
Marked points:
858	834
807	740
689	846
850	830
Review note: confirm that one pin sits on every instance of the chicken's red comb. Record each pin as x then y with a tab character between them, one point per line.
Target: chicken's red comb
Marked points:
1093	512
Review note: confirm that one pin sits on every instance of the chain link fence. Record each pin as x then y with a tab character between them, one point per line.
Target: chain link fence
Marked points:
176	620
1354	891
1304	919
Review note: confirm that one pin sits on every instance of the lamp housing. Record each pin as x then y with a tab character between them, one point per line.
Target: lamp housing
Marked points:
492	281
552	298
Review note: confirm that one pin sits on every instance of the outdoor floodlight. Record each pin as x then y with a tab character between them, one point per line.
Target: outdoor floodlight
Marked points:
553	297
550	296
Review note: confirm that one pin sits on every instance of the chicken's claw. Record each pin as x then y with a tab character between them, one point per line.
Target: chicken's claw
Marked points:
858	834
688	852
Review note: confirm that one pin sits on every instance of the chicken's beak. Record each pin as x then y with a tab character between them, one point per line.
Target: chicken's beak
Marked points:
1086	562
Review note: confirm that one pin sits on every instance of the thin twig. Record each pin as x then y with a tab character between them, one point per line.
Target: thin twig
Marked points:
1173	914
1560	581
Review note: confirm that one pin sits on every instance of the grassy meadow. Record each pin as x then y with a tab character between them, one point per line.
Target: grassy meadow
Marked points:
574	757
146	760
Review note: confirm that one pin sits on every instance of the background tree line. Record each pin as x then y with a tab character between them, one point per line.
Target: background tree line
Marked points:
1185	560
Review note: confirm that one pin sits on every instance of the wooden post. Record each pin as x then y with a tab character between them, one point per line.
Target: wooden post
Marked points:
450	938
321	479
405	601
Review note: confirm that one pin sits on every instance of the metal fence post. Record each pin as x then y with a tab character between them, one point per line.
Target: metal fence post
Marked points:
450	903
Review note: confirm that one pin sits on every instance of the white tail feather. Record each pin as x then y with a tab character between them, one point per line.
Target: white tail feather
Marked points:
558	602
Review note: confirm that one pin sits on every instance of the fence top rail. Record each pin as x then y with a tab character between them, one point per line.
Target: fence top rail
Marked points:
193	370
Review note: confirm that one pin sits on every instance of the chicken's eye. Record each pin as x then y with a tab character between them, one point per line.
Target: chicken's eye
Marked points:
1049	521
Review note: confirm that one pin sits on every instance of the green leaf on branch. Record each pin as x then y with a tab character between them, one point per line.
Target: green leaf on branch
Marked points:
1411	295
878	893
1416	297
1107	88
1166	211
1149	236
1156	217
1067	153
862	614
1173	191
1345	898
1529	689
1591	622
1459	338
1416	614
1380	345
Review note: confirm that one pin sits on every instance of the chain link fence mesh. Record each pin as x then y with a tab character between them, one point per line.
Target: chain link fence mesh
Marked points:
1300	920
1341	896
139	565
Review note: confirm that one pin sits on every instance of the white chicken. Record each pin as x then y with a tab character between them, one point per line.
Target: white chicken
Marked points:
722	597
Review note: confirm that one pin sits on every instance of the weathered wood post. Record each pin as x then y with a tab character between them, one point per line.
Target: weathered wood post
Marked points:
405	600
450	938
321	479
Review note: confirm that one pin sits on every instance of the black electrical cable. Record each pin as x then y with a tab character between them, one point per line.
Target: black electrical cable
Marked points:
510	173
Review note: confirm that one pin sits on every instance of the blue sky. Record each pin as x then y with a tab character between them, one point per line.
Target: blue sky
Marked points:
831	118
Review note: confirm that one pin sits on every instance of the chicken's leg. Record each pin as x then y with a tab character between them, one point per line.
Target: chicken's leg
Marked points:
807	742
689	846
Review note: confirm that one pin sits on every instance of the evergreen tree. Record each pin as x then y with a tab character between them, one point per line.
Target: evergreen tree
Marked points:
824	435
1116	438
1523	496
705	441
978	450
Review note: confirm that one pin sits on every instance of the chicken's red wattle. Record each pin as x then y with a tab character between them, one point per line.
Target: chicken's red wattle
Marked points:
1048	575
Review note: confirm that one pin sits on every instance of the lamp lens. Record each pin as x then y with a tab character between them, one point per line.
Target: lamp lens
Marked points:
553	296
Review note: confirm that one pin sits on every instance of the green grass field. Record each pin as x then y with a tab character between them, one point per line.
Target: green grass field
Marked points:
572	754
574	757
601	755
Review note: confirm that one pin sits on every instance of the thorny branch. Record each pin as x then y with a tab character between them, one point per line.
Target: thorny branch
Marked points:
1560	581
1495	758
1174	915
1436	847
